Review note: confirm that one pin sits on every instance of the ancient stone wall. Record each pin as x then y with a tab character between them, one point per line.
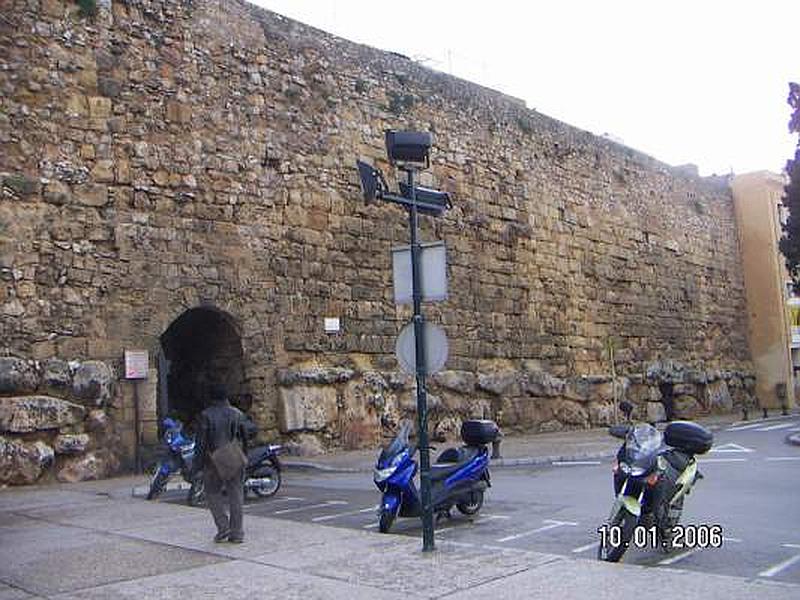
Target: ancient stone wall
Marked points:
165	155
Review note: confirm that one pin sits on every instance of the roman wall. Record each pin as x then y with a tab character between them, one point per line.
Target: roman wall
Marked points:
179	177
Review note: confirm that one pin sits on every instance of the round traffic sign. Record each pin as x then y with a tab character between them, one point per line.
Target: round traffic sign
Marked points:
435	344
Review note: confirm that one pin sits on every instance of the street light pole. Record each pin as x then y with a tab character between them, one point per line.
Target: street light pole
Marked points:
422	401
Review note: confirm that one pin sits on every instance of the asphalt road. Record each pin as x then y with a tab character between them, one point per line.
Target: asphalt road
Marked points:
750	489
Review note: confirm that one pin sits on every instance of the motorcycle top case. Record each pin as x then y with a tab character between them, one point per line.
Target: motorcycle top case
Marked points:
479	432
689	437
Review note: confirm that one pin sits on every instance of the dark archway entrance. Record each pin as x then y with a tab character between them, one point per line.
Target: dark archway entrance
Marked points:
200	347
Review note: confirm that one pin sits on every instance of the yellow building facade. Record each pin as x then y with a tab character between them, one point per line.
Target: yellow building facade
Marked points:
757	199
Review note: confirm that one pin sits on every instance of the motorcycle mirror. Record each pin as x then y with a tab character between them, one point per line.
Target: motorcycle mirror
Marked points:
619	431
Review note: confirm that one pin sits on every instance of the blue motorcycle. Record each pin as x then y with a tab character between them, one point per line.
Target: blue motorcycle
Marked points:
262	472
459	478
179	455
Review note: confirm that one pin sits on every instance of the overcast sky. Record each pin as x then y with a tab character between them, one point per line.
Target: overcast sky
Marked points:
700	81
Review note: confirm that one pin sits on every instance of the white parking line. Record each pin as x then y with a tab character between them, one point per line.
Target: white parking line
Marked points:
745	427
288	499
732	540
793	429
566	463
775	569
777	458
672	560
345	514
585	548
286	511
460	544
370	526
551	524
485	518
775	427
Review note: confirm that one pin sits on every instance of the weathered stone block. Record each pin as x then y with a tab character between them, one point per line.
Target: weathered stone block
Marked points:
500	383
718	397
74	443
17	376
655	412
686	407
23	414
457	381
542	384
93	383
92	194
571	413
89	467
601	413
56	377
314	375
307	408
21	462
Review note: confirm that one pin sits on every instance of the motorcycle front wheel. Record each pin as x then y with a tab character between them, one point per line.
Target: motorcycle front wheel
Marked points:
626	523
386	519
157	484
266	481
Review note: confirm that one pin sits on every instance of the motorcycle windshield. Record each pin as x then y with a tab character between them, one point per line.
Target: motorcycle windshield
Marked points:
399	443
642	445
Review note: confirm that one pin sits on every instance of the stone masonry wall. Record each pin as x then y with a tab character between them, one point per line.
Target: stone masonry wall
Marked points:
163	155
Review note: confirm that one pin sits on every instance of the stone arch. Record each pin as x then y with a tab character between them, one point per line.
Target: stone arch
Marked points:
203	345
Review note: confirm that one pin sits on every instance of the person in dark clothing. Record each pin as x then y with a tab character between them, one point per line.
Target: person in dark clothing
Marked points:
218	425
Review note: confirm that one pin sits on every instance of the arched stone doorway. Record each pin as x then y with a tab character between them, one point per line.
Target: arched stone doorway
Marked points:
200	347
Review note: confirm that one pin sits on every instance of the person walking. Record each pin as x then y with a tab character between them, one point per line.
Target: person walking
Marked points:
221	453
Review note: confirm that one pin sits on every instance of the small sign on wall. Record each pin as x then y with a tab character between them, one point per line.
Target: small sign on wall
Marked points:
332	325
137	364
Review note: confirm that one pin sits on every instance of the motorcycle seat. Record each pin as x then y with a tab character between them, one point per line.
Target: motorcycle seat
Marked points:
458	455
441	471
451	460
255	455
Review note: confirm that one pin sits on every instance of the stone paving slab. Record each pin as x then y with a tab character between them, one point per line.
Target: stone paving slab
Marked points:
11	593
263	536
402	567
46	559
234	581
111	515
578	578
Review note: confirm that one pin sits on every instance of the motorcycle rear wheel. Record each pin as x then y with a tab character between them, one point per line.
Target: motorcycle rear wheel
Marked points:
157	484
473	505
627	523
269	479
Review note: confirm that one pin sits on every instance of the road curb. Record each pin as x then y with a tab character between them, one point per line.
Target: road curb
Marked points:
524	461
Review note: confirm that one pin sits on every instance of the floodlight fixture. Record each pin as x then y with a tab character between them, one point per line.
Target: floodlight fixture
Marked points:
428	200
409	148
372	182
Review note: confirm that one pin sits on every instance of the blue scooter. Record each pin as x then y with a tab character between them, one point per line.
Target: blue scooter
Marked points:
179	455
459	478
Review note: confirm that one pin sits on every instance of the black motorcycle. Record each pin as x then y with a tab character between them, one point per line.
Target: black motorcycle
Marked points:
651	480
262	474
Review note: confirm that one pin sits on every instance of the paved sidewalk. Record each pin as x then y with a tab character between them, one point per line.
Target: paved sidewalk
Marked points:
94	540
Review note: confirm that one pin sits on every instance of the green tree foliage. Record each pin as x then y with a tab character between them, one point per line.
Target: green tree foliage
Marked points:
790	242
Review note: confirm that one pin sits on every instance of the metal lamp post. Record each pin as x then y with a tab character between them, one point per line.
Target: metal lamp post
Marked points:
409	150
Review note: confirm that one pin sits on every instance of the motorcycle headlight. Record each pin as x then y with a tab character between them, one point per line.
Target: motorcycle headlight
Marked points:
380	475
637	471
625	468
